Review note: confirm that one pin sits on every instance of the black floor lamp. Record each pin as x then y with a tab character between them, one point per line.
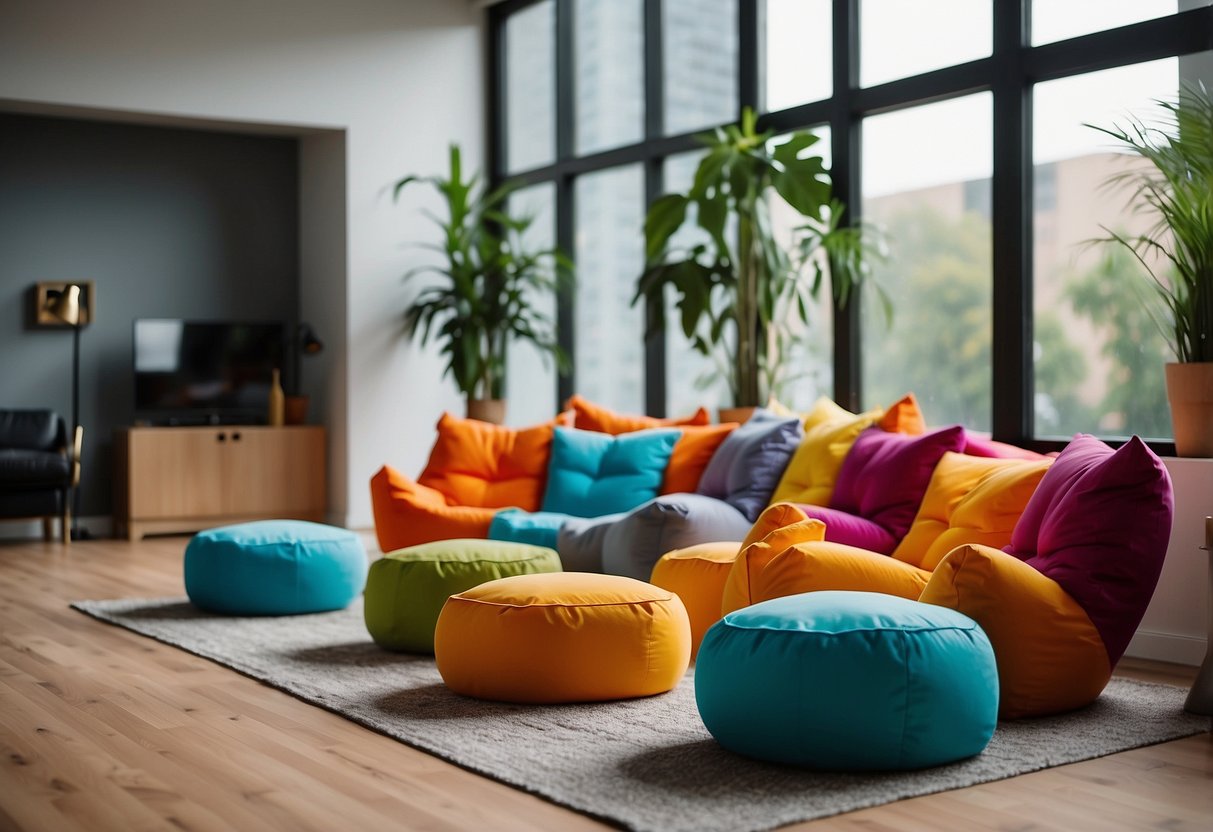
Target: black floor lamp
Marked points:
69	307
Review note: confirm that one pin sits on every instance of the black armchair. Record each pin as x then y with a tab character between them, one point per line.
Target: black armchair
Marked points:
38	468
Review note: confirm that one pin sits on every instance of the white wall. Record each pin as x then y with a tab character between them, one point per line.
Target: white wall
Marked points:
401	78
1175	627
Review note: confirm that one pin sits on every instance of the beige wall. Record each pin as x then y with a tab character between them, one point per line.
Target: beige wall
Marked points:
392	82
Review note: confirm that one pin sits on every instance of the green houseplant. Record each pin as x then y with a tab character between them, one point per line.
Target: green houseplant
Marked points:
740	295
1177	250
488	281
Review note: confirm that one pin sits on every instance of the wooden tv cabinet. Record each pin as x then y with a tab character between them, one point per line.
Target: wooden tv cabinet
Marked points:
183	479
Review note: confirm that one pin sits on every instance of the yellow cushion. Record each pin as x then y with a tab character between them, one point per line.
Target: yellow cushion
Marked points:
820	565
813	469
562	637
1050	656
969	500
830	431
697	574
754	556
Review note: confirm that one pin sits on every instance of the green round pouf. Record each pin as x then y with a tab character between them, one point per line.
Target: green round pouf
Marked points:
406	589
848	681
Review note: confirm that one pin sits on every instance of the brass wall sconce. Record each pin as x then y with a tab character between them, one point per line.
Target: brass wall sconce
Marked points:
50	296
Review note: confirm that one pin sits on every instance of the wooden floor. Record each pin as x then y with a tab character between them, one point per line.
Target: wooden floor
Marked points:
103	729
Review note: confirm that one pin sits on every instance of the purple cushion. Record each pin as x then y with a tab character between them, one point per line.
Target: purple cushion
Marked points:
852	529
1098	524
977	444
885	475
747	466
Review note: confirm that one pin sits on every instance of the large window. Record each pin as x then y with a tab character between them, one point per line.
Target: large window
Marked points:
960	133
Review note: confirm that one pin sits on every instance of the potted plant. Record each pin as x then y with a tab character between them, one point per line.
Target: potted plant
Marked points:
742	298
1177	250
488	282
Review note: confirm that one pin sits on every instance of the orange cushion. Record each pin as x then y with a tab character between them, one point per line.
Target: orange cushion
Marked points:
478	464
904	416
1050	656
969	500
407	513
821	565
562	637
590	416
691	456
697	574
738	589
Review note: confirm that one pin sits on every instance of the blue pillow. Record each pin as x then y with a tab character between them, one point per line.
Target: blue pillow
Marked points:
537	528
749	463
591	473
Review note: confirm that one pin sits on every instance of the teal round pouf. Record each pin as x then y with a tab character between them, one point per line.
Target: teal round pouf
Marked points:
274	567
848	681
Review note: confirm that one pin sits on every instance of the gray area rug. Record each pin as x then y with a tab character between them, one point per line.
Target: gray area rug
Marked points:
645	764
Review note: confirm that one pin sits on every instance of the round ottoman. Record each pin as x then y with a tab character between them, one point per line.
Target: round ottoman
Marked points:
698	575
848	681
274	567
562	637
406	589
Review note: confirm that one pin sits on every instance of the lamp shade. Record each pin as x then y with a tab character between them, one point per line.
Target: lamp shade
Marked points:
308	341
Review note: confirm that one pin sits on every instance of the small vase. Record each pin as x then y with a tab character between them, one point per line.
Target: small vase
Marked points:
296	410
1190	392
487	410
277	403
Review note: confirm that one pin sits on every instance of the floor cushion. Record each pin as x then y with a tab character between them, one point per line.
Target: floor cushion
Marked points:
274	567
633	545
406	589
692	453
562	637
698	575
848	681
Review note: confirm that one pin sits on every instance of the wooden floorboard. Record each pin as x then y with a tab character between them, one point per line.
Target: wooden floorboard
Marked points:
103	729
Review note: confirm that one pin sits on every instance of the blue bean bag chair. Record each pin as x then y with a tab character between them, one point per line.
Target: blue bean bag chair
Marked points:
848	681
274	567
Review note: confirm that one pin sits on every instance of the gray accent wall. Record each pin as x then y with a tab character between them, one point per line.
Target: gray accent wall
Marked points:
166	222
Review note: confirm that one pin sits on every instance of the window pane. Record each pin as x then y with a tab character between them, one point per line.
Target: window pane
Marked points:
531	375
899	38
933	198
1054	20
530	86
691	378
610	257
610	73
1098	354
700	49
799	52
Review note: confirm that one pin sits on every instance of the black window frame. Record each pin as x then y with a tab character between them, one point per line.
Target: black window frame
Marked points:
1009	73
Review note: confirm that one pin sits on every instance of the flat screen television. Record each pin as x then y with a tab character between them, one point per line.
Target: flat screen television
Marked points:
204	372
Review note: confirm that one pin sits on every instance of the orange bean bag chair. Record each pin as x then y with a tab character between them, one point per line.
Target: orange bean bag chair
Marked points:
474	470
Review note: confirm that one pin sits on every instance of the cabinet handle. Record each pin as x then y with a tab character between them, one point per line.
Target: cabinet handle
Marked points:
236	437
223	437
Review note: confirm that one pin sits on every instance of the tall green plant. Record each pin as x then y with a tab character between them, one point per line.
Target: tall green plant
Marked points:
1179	189
739	294
490	278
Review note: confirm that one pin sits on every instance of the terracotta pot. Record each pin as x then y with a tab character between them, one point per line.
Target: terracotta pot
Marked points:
295	410
487	410
1190	391
740	415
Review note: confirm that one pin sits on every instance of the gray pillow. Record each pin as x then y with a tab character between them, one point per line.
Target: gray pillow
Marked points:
748	465
579	542
633	545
